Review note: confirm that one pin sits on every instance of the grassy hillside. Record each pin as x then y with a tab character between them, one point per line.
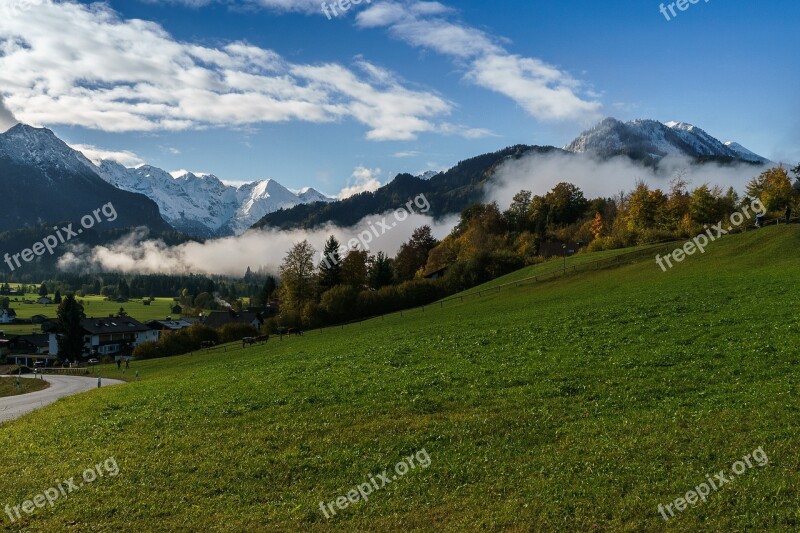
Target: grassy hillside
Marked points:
577	404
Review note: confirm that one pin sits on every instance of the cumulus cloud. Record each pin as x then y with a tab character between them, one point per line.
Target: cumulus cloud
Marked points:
76	64
136	253
544	91
363	180
540	173
96	155
7	120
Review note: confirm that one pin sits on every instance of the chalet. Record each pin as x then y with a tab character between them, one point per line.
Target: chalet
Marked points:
217	319
25	349
44	300
38	319
110	336
437	274
49	325
170	325
7	316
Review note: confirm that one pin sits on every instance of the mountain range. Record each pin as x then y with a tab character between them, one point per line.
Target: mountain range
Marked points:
38	171
202	205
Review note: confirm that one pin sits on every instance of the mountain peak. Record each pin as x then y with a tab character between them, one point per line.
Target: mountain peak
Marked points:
651	141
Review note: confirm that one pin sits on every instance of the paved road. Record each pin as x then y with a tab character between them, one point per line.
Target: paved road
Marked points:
13	407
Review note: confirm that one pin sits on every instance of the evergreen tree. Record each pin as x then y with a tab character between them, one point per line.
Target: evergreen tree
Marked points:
330	268
57	297
43	290
269	287
122	288
381	273
70	338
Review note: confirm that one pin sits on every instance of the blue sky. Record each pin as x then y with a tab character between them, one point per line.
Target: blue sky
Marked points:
254	89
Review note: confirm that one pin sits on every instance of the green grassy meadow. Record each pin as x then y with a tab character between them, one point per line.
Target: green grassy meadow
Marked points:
8	386
574	404
96	306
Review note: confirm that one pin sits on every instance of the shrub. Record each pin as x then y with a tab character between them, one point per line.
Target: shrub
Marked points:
235	332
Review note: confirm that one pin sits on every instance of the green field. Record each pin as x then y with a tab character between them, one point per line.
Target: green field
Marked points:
8	386
574	404
94	306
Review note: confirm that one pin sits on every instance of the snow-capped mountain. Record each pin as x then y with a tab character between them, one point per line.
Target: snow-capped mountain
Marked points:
38	171
651	141
428	175
202	205
744	153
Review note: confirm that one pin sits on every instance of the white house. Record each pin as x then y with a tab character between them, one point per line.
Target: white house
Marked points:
109	336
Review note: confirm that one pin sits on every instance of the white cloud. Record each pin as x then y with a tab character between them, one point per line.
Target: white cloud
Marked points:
267	248
363	180
95	155
7	119
75	64
540	173
545	92
409	153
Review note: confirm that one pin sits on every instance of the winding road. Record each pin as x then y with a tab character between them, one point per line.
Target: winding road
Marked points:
13	407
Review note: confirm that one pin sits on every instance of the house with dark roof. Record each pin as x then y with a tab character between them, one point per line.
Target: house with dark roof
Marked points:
24	349
110	336
169	324
38	319
217	319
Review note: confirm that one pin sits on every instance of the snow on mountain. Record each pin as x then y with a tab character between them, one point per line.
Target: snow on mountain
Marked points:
44	170
744	153
310	195
202	205
41	147
651	141
428	175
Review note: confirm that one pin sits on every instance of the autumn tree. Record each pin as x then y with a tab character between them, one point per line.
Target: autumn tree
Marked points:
773	187
644	206
297	276
354	268
517	213
598	226
414	254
